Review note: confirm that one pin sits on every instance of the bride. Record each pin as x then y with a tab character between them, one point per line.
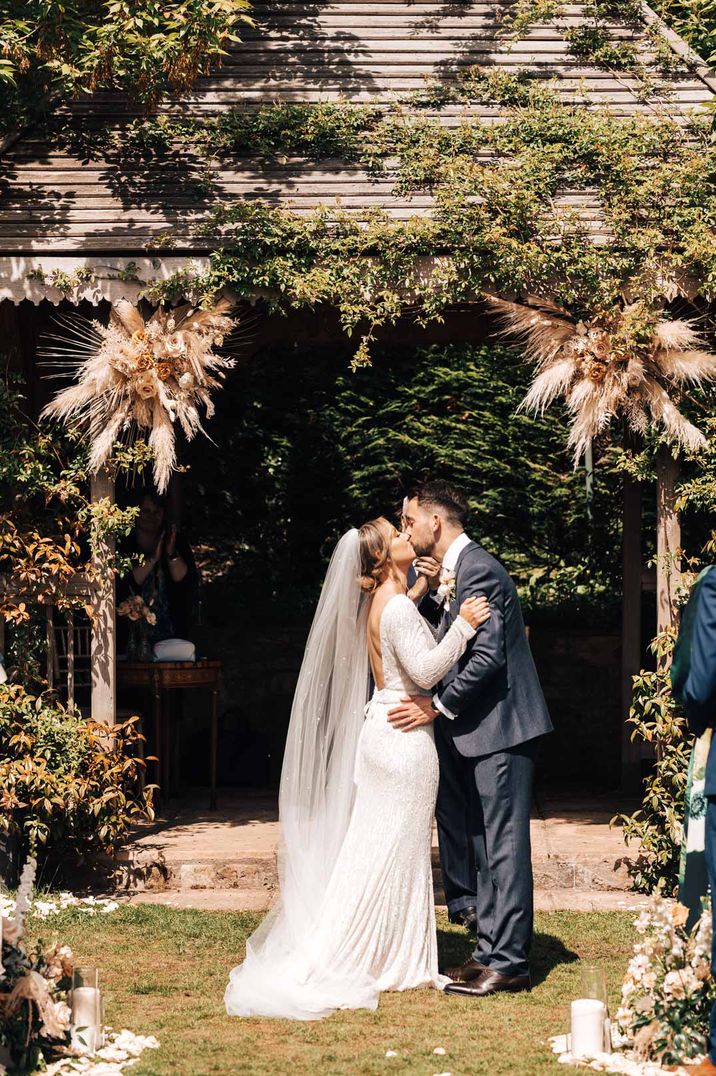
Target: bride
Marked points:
357	798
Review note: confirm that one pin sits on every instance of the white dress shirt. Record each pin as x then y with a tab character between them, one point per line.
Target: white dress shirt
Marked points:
452	555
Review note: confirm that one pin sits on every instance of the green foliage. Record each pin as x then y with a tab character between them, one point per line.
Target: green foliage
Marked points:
309	449
50	529
695	21
70	786
498	222
593	43
657	826
655	716
51	48
524	13
697	490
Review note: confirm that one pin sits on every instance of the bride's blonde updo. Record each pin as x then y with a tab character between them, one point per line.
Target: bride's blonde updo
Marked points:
375	541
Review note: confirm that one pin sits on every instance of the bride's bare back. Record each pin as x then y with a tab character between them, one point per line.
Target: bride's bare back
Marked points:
381	597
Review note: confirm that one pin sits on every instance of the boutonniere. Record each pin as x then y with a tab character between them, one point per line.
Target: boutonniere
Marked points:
447	588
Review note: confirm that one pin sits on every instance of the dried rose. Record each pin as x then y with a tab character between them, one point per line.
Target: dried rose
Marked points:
59	962
596	371
63	1014
599	343
145	360
165	370
146	386
139	337
174	346
186	381
123	366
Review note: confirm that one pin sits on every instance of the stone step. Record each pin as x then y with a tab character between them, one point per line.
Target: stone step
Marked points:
253	900
234	848
151	869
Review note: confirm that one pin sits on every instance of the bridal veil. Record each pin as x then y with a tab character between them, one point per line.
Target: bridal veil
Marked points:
280	975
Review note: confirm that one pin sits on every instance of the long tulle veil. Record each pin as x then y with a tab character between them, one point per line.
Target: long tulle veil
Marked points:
279	975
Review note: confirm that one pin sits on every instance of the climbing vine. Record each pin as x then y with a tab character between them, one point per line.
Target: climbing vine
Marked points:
515	204
509	213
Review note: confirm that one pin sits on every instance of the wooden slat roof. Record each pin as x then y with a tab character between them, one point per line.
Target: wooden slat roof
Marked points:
57	202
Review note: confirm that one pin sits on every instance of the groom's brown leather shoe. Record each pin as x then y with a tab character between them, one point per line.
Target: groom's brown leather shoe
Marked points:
490	982
464	973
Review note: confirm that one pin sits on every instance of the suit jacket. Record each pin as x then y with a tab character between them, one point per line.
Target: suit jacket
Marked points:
494	690
700	687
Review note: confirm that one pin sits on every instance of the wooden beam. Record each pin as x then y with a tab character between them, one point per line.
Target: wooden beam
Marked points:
104	646
668	540
631	629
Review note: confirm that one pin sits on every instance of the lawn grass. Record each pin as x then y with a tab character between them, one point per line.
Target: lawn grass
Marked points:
164	971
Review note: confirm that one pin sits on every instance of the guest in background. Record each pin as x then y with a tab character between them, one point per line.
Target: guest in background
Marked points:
700	702
163	574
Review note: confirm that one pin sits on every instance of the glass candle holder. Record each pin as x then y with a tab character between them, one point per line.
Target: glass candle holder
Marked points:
594	983
590	1027
86	1006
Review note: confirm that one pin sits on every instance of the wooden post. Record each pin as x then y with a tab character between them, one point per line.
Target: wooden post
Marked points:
70	658
50	645
668	539
103	653
631	629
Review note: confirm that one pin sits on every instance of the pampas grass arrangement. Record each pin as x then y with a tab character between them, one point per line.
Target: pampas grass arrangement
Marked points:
141	374
625	364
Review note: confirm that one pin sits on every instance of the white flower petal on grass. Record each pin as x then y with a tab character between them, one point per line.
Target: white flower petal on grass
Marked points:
439	1050
391	1053
118	1054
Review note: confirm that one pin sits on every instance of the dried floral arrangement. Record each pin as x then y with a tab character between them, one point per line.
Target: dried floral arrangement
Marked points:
34	1014
35	981
668	990
630	363
135	608
141	375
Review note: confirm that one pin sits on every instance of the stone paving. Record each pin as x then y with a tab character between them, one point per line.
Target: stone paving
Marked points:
226	859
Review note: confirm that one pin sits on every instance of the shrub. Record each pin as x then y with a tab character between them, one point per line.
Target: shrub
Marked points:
657	826
70	786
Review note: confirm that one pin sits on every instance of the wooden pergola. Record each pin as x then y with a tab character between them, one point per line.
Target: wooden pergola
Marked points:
128	220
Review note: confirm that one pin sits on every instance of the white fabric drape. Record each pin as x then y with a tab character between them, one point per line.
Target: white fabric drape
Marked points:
279	976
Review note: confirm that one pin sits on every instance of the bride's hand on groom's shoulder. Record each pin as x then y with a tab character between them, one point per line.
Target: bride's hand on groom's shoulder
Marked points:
412	712
475	611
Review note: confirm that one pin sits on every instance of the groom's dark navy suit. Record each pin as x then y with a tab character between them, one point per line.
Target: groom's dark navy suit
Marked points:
487	757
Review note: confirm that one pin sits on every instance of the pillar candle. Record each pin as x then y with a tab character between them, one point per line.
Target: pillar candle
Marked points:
85	1006
588	1015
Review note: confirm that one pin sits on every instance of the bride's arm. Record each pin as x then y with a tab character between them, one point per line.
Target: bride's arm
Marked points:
425	662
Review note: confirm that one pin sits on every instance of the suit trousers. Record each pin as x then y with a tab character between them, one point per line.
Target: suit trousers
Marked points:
453	813
497	799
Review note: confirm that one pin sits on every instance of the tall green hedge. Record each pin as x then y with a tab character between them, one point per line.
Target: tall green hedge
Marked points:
306	448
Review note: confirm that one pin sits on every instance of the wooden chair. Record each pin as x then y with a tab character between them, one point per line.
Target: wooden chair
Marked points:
69	651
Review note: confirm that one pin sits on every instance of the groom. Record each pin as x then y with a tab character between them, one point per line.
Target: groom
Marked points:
489	715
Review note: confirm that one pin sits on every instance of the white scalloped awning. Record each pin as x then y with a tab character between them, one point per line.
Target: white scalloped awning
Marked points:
18	276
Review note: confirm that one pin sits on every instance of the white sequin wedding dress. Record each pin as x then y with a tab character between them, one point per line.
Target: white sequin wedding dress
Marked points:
375	927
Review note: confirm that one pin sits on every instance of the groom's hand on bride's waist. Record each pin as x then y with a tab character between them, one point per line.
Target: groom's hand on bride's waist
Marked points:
412	712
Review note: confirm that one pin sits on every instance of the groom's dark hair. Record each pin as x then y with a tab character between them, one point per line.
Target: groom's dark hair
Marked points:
451	501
